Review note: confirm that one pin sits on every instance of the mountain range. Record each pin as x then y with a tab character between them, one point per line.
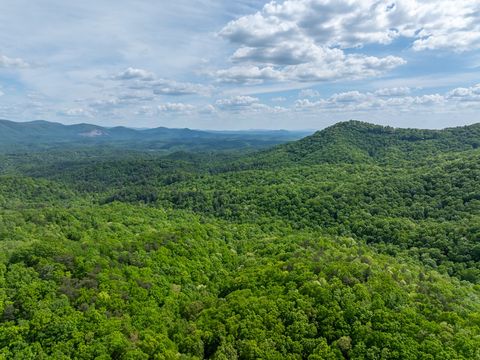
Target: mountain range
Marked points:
44	134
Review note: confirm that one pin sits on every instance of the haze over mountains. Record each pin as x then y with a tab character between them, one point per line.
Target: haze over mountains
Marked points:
350	141
41	134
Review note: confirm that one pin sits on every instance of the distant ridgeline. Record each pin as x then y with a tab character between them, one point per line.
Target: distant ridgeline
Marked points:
36	135
356	242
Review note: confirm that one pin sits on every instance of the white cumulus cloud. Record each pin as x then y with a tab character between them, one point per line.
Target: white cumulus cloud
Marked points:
465	94
76	112
307	40
140	79
134	74
176	107
7	62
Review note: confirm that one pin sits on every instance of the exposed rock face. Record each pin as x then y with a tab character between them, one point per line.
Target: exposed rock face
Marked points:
94	133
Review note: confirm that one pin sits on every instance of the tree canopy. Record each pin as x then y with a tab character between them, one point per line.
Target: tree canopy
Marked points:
358	242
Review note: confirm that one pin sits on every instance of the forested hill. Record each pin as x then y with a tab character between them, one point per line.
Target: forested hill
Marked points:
355	141
358	242
39	134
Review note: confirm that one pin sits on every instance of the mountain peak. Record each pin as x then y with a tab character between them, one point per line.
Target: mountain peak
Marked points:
356	141
356	125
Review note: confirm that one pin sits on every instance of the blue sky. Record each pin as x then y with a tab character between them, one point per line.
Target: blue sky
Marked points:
209	64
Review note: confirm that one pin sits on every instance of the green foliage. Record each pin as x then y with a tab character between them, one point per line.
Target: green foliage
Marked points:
354	141
141	282
360	242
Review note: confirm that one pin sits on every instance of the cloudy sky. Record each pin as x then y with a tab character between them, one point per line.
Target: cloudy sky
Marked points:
214	64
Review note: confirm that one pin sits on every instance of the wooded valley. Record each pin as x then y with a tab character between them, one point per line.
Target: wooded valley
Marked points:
356	242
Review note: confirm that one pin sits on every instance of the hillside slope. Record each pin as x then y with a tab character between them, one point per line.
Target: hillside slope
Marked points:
355	141
131	255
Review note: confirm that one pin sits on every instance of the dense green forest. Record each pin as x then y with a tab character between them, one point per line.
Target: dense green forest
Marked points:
357	242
